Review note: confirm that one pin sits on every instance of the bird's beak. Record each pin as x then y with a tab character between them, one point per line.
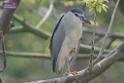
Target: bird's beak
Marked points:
85	20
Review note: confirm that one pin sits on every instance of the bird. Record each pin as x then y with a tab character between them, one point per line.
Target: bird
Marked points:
65	40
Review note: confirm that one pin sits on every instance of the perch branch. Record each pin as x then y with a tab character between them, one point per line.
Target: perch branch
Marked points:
84	75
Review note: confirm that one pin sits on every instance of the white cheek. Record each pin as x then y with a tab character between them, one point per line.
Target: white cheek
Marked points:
71	21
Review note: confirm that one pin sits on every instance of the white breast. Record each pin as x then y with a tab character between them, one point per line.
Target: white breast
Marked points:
73	27
73	33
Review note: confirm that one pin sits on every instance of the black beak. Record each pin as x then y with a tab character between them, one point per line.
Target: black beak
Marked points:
85	20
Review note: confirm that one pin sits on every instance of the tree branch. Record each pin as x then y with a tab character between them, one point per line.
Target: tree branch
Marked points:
26	54
46	15
29	28
46	56
86	49
110	43
6	17
107	33
112	35
18	29
5	20
45	35
84	75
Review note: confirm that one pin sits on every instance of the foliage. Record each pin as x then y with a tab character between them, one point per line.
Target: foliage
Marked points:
97	5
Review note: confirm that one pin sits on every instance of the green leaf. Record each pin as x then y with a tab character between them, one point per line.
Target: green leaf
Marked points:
98	5
104	7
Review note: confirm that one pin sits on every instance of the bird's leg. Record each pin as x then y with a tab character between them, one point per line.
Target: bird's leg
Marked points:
68	66
69	69
69	61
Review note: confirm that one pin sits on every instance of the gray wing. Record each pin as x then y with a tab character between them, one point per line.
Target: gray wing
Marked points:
56	42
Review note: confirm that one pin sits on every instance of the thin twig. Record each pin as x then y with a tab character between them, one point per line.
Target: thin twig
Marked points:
46	56
92	54
46	15
112	35
107	33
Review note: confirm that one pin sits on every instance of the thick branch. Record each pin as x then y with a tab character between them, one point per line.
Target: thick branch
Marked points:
5	25
29	28
84	75
6	17
40	33
112	35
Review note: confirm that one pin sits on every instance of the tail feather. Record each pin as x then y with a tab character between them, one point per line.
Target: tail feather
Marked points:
57	65
54	65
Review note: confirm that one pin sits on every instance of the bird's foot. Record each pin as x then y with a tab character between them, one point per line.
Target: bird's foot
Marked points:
73	73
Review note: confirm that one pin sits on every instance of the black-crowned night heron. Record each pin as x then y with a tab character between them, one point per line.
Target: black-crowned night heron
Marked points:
65	39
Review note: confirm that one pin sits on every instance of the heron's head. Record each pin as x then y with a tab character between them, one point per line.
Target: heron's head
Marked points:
81	14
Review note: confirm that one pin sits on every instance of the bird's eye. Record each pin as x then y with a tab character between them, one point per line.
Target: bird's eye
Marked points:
76	15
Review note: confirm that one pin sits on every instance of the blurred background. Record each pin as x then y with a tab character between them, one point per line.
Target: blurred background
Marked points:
34	21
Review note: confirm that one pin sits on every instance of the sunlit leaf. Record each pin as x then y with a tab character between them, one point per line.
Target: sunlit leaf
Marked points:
98	5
